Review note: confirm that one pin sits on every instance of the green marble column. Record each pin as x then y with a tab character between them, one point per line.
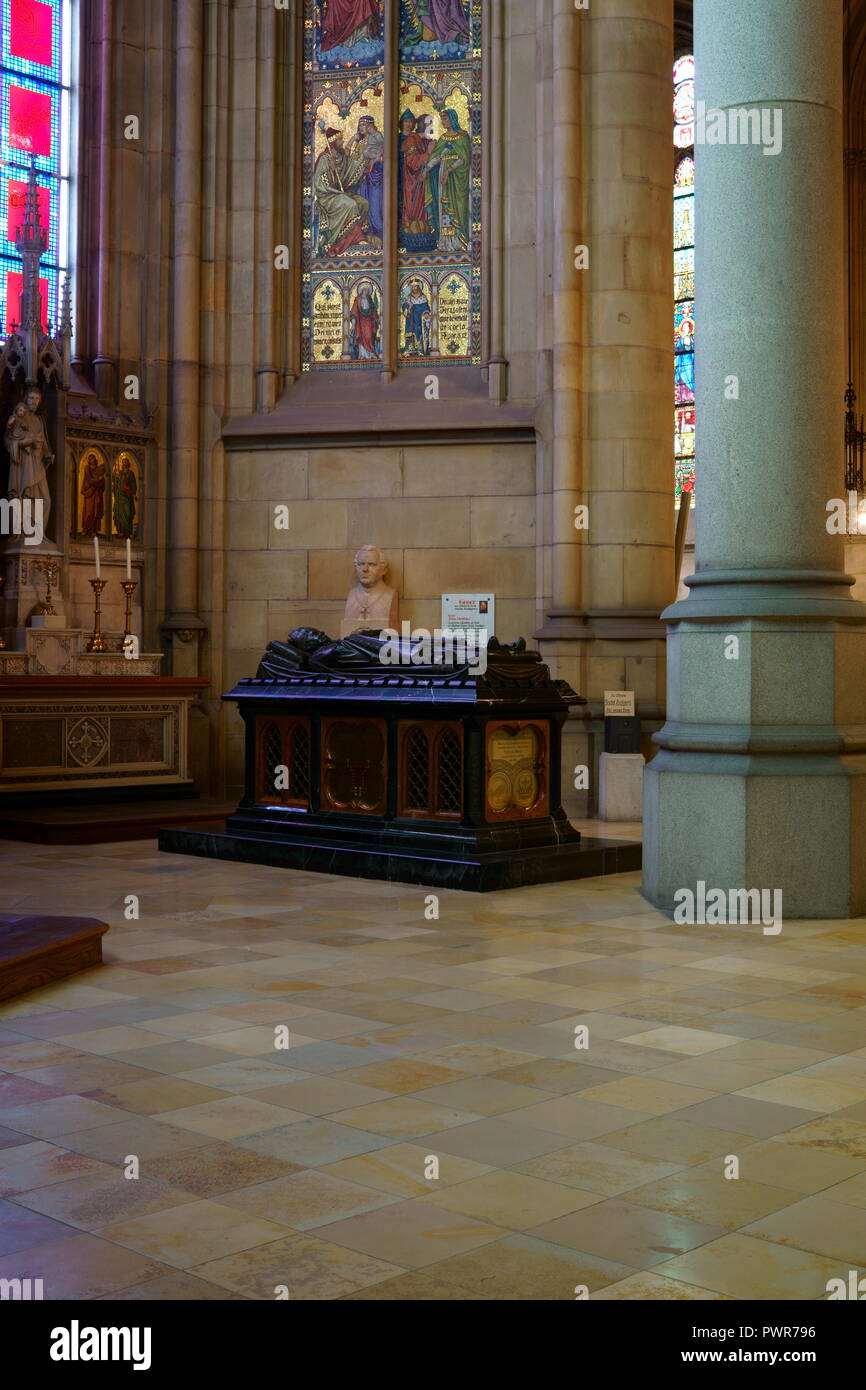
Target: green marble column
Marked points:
760	781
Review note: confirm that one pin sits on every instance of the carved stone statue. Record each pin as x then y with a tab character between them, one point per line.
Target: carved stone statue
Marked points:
29	452
372	604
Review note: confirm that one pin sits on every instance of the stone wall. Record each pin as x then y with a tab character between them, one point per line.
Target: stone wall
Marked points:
451	518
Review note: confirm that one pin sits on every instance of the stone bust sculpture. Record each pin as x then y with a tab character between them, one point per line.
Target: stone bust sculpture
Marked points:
29	453
372	604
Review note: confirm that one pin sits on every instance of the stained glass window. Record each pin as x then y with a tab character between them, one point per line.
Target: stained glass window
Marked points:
35	75
429	283
684	274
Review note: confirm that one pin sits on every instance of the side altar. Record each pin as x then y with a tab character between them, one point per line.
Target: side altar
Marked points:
366	758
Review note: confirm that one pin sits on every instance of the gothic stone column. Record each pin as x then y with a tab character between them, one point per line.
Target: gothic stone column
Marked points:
760	779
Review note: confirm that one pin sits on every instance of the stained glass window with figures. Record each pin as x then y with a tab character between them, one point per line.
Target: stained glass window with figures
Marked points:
684	274
358	276
35	90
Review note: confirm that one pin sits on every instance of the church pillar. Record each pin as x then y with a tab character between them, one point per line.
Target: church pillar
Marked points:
183	555
760	779
628	557
565	613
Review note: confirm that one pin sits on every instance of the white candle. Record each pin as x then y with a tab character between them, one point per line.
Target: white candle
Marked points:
96	553
128	558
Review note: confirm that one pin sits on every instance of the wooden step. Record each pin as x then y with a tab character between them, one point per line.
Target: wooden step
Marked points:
36	951
105	823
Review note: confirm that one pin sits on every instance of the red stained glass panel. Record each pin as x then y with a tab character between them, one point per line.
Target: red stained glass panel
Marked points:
30	121
17	202
30	35
14	287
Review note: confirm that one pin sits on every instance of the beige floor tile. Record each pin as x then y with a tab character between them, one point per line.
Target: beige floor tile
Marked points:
806	1092
97	1200
652	1286
308	1267
691	1042
205	1231
851	1191
152	1096
797	1167
404	1117
645	1093
401	1075
402	1169
705	1194
80	1267
597	1168
745	1267
617	1229
307	1199
513	1200
834	1134
523	1268
412	1233
818	1224
576	1116
231	1117
217	1169
484	1095
321	1095
43	1119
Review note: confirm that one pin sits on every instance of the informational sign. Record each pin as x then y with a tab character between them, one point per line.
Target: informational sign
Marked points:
469	612
619	703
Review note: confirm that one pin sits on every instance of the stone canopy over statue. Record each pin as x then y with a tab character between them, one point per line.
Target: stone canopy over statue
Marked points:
30	454
372	605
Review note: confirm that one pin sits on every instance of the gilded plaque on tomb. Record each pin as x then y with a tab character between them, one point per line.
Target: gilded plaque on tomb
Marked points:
516	785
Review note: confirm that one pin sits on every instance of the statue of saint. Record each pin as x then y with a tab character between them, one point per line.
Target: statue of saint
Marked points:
29	453
372	604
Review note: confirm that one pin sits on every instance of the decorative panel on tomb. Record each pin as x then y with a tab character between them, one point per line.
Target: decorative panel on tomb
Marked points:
35	69
283	761
430	770
439	184
354	765
516	770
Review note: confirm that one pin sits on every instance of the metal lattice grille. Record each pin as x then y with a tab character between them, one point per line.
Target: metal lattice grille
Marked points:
418	771
300	763
272	745
450	773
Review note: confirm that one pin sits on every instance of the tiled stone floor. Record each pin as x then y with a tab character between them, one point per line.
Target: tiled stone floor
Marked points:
413	1040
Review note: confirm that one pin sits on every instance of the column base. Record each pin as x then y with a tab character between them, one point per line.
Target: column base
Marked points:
794	824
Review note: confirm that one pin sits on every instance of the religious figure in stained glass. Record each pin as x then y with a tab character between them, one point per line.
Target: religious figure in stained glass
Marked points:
369	145
416	230
343	213
448	168
684	275
417	317
346	23
434	22
366	333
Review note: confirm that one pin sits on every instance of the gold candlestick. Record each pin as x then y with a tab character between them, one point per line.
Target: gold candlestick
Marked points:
97	642
129	587
51	569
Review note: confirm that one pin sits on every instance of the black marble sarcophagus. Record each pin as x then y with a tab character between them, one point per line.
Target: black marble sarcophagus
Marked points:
373	759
